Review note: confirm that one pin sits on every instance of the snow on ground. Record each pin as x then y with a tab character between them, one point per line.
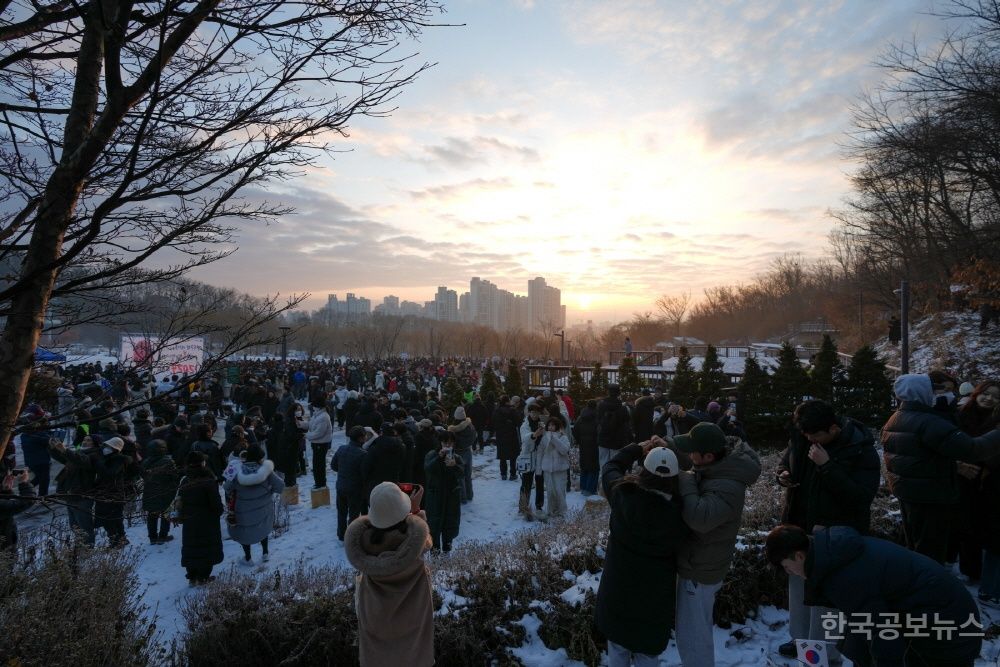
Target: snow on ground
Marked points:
312	537
952	342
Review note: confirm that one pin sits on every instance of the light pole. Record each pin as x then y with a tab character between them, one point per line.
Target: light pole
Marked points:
562	345
904	326
284	343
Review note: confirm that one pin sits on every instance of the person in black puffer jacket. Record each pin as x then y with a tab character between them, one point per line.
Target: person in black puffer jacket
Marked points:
874	579
637	593
160	477
614	426
921	449
831	472
201	507
585	434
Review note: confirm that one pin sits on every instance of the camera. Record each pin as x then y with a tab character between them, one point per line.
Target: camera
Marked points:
406	487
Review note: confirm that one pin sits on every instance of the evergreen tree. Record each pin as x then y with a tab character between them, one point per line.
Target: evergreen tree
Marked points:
489	384
789	383
512	385
684	387
827	372
598	382
868	391
577	388
452	395
628	378
712	377
753	391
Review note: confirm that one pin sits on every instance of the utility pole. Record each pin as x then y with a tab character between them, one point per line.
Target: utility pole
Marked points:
284	343
562	345
904	321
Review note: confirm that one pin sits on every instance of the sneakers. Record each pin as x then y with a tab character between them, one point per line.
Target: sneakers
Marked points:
788	650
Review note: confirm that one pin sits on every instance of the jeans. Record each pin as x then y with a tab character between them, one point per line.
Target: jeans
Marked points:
588	482
81	517
805	622
156	520
990	583
695	642
319	463
349	507
526	480
619	656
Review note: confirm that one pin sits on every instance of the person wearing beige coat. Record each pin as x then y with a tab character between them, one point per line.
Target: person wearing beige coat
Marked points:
393	588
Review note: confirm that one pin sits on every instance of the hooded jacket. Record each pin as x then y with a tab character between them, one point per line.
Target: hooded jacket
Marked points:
921	447
465	435
713	498
392	595
865	575
838	493
254	485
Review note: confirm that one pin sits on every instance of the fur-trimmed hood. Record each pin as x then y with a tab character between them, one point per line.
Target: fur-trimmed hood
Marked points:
381	563
254	473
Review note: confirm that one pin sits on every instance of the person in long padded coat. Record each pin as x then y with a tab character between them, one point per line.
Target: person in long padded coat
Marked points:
253	486
393	590
160	478
386	460
585	434
445	472
506	423
636	596
465	442
425	441
348	463
201	531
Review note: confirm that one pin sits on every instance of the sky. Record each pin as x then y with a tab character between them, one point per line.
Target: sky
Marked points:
622	150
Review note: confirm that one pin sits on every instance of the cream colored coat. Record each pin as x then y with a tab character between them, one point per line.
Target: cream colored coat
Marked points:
392	594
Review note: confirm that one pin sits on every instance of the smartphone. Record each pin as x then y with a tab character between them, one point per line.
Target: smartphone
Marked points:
17	472
449	455
406	487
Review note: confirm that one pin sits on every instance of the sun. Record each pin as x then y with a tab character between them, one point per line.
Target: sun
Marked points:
583	301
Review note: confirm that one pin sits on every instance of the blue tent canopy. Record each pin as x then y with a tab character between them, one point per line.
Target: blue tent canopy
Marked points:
48	356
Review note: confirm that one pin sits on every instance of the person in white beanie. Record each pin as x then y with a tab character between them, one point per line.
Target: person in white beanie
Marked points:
636	596
393	588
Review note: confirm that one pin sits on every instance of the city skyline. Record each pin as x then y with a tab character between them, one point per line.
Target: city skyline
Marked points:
486	304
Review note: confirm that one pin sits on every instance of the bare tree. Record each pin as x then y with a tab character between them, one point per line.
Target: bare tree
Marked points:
133	128
674	308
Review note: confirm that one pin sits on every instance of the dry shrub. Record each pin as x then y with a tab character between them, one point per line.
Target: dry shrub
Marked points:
71	605
302	616
499	581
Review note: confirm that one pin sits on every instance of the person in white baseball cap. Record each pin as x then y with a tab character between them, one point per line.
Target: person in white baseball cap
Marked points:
637	593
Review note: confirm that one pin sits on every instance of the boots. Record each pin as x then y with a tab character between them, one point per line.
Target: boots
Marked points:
524	506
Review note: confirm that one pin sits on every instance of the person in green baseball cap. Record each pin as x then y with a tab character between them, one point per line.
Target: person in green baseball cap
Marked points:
712	492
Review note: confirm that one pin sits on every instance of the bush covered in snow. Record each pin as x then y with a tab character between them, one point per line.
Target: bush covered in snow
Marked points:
72	605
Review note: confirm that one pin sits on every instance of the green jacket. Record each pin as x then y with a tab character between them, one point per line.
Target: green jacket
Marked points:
713	499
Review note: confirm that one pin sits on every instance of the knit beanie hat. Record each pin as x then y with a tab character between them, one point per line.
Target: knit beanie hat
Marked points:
966	389
116	444
460	413
388	505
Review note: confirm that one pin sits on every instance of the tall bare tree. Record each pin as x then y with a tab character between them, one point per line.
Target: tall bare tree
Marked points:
135	128
674	308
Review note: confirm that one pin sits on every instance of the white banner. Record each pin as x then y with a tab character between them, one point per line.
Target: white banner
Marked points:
179	358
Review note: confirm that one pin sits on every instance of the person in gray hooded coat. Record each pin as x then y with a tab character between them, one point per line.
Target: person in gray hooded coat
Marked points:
251	504
921	448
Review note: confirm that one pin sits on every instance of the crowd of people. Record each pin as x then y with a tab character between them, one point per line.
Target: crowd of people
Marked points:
213	452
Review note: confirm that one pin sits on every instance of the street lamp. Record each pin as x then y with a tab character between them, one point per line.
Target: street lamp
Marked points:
562	345
284	343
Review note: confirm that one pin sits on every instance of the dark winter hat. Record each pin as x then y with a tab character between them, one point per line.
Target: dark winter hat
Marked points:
704	438
181	422
107	424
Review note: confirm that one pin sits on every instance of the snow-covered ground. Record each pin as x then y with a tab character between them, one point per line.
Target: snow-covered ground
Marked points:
492	515
951	342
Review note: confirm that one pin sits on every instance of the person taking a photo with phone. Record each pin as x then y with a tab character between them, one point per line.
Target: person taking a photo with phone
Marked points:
444	472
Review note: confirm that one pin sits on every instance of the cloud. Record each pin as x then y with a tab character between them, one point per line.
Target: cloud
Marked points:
456	189
461	152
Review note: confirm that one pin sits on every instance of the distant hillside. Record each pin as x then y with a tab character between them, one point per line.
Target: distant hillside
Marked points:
951	342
